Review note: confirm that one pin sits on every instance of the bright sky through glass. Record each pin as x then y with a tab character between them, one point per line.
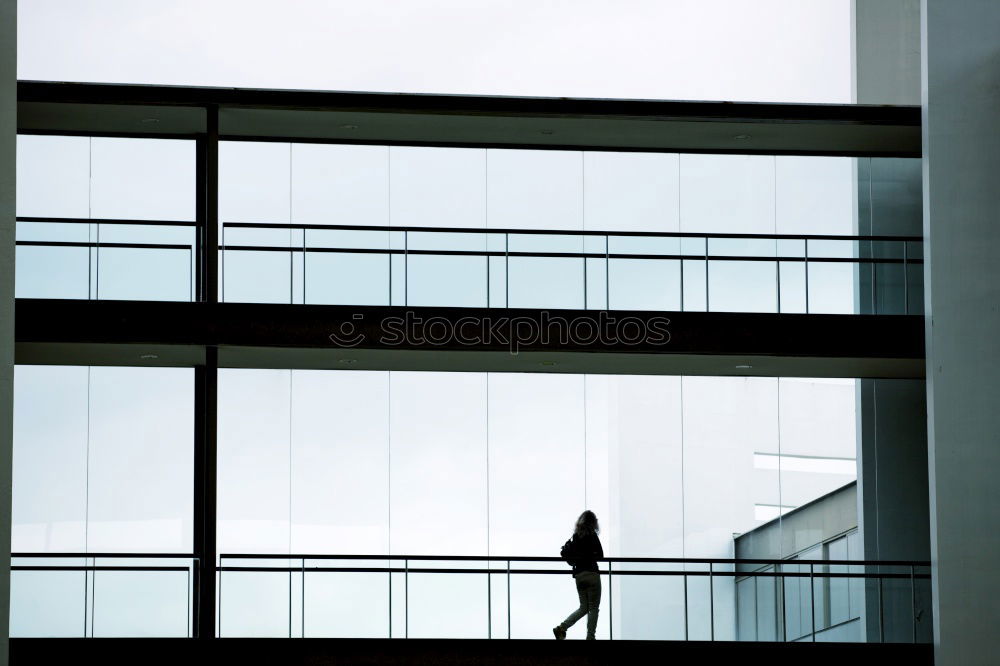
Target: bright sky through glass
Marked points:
765	50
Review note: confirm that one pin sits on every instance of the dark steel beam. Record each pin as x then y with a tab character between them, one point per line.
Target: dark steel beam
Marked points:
205	466
469	120
276	330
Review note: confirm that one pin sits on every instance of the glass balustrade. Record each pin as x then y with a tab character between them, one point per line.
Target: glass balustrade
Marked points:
345	265
429	596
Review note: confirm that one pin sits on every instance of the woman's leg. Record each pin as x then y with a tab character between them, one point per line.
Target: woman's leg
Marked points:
582	610
593	604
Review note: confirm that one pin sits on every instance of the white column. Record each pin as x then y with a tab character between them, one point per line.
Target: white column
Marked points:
961	146
8	137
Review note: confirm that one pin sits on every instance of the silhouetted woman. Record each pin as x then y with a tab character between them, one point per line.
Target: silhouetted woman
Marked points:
584	551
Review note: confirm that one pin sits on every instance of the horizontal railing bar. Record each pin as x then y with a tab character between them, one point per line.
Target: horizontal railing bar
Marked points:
158	556
566	255
90	220
624	572
524	558
41	567
559	232
141	246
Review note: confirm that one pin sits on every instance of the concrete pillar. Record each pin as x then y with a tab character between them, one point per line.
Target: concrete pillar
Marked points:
961	149
893	517
886	51
893	514
8	139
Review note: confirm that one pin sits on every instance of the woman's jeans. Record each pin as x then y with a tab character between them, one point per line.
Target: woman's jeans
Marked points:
588	586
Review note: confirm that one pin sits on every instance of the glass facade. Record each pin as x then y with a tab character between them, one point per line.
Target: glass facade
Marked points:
113	218
105	218
103	464
499	464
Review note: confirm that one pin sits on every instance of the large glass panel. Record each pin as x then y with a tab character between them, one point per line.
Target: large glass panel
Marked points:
818	445
742	286
642	426
339	464
726	420
255	604
346	604
438	495
438	474
254	503
446	280
534	189
814	195
140	603
255	182
141	457
53	176
536	459
727	193
340	184
644	284
47	271
142	179
630	191
48	603
150	274
438	187
49	505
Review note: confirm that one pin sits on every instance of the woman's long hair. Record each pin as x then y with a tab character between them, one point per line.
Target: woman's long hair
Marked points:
586	524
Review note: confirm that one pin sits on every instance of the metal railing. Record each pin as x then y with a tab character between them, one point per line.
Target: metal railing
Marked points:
718	589
703	597
473	267
107	259
44	589
413	266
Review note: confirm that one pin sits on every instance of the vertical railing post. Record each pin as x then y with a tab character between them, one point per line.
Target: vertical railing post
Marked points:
611	604
302	615
508	599
913	600
706	274
881	611
711	604
812	602
686	615
406	598
506	285
906	291
806	265
607	272
779	581
489	591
